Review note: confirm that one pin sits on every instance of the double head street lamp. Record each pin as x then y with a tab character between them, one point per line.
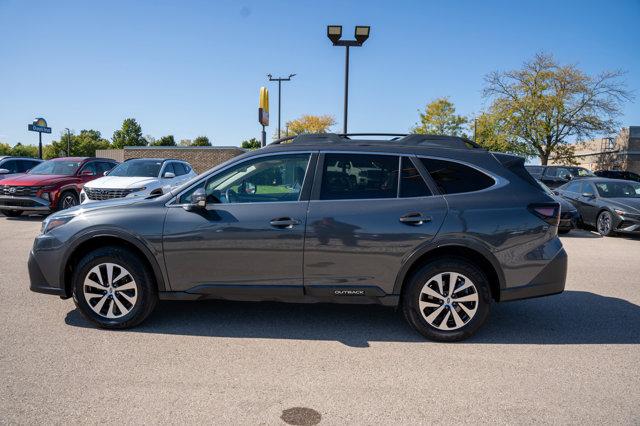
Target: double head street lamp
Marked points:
280	80
334	32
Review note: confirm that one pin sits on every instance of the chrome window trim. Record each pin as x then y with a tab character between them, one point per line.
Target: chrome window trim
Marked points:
233	164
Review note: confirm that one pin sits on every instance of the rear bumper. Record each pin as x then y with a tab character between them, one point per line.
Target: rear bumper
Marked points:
38	282
550	280
35	204
568	220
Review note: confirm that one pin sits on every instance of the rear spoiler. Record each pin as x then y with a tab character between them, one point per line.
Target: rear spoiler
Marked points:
515	164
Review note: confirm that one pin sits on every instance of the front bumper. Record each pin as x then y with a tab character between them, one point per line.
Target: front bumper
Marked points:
38	282
629	224
36	204
549	281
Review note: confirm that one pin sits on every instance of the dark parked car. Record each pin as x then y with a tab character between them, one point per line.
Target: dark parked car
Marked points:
10	166
618	174
433	224
610	205
554	176
569	216
51	185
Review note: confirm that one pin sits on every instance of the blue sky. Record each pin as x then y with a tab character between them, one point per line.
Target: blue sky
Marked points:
189	68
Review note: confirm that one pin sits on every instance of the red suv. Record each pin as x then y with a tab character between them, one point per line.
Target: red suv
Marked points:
51	185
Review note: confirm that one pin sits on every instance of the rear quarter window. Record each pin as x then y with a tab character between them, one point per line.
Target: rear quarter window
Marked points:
456	178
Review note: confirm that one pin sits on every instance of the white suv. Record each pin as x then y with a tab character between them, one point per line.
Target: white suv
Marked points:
141	177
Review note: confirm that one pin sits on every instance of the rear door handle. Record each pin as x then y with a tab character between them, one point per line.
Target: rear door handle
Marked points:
284	222
414	219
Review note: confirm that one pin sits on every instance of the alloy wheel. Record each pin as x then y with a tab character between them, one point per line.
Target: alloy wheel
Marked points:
110	290
604	223
448	301
68	201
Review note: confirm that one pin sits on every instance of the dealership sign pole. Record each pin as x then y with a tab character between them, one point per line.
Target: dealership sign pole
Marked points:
263	113
39	125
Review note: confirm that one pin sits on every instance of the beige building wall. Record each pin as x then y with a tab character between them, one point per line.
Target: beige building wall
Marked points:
201	158
620	153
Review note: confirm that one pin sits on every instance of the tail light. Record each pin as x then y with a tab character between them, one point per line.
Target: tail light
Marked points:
549	212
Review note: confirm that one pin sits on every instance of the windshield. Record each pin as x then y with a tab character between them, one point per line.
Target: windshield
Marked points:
137	168
64	168
618	189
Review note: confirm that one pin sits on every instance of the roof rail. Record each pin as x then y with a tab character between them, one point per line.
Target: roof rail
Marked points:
397	138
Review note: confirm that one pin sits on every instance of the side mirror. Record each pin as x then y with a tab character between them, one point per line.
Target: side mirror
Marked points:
170	175
567	177
87	173
198	200
106	172
588	195
556	192
4	171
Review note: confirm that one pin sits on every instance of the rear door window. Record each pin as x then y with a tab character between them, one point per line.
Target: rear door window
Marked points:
411	182
11	165
179	168
535	171
573	187
455	178
359	176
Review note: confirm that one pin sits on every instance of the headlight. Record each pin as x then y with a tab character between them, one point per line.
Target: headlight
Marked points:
142	188
52	223
620	212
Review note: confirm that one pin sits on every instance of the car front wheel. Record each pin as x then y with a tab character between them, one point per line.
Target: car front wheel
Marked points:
605	224
113	288
447	300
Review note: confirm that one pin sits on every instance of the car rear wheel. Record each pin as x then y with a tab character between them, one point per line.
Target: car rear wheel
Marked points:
113	289
447	300
12	213
605	224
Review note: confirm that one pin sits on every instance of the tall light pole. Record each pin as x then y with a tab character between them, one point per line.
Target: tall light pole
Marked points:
280	80
334	32
68	141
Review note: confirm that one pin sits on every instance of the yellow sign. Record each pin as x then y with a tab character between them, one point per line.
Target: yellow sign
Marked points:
263	108
40	122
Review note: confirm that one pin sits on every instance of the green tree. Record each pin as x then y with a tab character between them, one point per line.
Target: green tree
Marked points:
201	141
5	149
129	135
490	134
165	141
544	106
252	143
84	144
20	150
440	118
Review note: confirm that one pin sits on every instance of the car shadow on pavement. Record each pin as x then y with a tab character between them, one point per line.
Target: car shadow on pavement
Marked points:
573	317
32	218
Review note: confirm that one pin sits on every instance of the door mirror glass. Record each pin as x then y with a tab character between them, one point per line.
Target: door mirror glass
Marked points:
588	195
169	175
567	176
4	171
87	173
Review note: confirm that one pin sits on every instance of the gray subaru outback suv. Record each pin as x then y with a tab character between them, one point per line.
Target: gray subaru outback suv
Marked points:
434	225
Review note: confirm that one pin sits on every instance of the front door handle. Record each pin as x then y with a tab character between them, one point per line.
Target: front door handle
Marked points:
414	219
284	222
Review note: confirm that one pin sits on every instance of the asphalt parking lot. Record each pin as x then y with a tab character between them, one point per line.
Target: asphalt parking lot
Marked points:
572	358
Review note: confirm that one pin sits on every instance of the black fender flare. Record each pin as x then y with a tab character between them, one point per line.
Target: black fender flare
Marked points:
465	243
152	256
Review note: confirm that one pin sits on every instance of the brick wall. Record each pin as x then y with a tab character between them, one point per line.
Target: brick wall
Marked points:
201	158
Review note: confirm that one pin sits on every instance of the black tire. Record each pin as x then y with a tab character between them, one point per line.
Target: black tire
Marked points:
413	292
12	213
146	290
71	195
603	229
